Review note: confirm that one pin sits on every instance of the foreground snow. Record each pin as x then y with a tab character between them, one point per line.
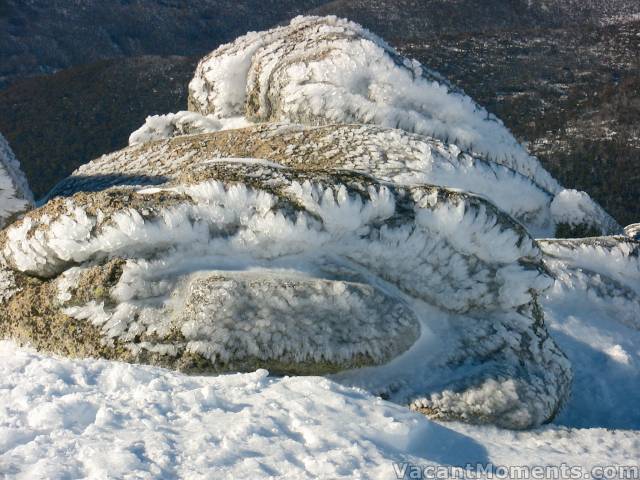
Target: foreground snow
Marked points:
97	419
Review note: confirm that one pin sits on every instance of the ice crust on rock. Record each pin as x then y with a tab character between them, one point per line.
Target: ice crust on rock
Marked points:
633	231
345	241
158	127
15	194
607	268
302	319
325	70
387	154
576	209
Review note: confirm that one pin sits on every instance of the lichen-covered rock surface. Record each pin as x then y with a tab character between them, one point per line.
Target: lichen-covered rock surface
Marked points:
367	222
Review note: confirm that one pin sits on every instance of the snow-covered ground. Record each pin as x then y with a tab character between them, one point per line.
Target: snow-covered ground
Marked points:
62	418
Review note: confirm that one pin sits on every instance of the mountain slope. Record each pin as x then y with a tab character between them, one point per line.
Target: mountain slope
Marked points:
57	123
43	36
419	19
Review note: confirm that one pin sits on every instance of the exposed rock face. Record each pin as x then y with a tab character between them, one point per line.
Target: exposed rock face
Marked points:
15	195
401	260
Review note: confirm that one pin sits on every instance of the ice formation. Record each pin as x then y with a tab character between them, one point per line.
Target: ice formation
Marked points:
633	231
607	268
302	271
324	70
15	195
158	127
367	222
388	154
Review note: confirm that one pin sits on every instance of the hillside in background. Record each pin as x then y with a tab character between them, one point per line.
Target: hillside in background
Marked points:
419	19
58	122
562	74
43	36
571	93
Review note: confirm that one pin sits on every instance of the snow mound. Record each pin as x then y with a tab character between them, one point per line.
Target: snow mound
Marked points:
15	195
232	265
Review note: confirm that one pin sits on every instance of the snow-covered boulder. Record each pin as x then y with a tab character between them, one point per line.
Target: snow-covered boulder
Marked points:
15	195
325	70
368	222
633	231
235	264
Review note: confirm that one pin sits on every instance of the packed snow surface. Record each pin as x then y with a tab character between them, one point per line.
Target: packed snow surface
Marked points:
96	419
